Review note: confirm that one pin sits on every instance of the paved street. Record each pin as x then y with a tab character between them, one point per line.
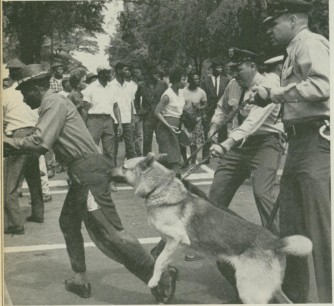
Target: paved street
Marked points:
36	264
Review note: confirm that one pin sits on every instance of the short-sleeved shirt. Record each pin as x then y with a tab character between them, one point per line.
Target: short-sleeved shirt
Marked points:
123	95
305	75
193	97
258	120
16	114
56	85
60	128
101	99
176	103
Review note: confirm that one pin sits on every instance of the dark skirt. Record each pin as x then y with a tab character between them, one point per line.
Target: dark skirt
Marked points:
168	141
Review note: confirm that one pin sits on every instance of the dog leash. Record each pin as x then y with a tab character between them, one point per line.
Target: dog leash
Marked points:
194	168
228	119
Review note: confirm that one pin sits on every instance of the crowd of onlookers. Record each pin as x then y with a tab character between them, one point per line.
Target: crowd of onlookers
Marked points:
175	107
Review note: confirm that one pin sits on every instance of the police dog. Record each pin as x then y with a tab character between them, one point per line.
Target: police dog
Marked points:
183	218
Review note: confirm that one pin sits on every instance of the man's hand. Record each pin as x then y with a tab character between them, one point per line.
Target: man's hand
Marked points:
277	95
217	151
263	96
260	96
87	105
119	130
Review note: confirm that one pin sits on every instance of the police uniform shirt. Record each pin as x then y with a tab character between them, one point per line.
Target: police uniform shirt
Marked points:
258	120
305	76
60	128
16	114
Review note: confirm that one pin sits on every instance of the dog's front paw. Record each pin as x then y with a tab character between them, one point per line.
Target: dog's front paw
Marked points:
153	282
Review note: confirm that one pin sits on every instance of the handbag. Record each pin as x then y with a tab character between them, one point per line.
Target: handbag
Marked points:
188	120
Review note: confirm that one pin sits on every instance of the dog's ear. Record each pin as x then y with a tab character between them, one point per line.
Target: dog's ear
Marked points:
148	161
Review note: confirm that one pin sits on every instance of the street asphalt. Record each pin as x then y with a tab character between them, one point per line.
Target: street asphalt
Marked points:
36	263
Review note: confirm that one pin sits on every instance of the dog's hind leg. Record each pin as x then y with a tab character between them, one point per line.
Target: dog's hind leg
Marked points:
162	261
281	298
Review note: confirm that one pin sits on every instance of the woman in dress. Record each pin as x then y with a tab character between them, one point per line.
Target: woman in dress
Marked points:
168	112
196	101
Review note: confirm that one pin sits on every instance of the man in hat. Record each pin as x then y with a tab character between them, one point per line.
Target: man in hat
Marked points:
57	77
273	67
305	206
19	121
60	127
214	87
146	99
253	146
102	113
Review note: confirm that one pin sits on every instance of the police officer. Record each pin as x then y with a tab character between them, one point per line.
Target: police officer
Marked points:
305	206
253	145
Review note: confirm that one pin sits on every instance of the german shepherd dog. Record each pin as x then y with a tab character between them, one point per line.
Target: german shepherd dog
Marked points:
183	218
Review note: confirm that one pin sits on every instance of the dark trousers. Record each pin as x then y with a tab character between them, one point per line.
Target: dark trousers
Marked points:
103	225
260	156
138	136
15	168
128	140
101	127
150	124
305	209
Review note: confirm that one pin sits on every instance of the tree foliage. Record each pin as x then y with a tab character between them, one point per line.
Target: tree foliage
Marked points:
183	31
61	25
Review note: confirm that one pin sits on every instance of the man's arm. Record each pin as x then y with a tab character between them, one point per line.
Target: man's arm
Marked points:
312	66
313	63
51	122
117	113
137	99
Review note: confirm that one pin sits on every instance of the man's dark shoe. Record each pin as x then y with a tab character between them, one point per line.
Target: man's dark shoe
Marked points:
14	230
164	293
82	290
35	219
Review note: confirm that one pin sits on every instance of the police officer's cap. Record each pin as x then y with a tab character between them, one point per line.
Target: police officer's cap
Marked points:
280	7
274	60
238	56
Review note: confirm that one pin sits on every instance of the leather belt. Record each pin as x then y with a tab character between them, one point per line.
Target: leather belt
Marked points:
100	115
303	128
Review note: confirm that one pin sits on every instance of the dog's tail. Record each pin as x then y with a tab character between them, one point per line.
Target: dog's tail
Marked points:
294	245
